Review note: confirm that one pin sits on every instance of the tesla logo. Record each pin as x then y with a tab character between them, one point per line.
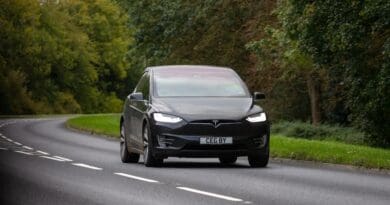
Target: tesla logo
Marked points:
215	123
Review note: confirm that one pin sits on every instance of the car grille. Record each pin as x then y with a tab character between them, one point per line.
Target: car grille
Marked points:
215	123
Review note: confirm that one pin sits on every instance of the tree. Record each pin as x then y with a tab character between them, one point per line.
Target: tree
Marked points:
276	52
191	32
18	20
106	26
351	40
62	57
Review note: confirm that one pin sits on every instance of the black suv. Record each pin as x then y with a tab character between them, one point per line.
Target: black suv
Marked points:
193	111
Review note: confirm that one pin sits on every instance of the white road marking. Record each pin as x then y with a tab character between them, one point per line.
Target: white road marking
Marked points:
2	148
63	158
9	140
27	147
86	166
209	194
52	158
136	177
4	137
42	152
26	153
17	143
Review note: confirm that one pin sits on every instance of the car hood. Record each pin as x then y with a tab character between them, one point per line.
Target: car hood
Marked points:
228	108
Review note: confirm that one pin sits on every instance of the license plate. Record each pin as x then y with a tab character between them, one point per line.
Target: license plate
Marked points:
216	140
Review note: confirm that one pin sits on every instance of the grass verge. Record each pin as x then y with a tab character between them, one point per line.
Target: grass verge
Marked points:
330	152
105	124
281	146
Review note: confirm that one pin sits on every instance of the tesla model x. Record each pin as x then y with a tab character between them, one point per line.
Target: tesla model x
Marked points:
193	111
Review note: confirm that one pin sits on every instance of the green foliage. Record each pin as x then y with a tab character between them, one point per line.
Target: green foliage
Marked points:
320	132
12	87
106	27
282	72
17	22
346	45
190	32
351	40
65	103
68	57
110	103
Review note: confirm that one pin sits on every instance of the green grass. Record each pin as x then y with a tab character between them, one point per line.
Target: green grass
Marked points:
281	146
330	152
105	124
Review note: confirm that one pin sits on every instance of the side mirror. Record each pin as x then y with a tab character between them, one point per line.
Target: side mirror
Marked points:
138	96
258	96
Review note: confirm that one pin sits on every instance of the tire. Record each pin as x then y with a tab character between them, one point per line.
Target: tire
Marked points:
258	159
228	160
149	159
126	156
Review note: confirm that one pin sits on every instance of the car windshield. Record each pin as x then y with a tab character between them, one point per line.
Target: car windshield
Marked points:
182	82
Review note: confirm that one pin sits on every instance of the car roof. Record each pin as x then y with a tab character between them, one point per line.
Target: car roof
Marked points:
193	67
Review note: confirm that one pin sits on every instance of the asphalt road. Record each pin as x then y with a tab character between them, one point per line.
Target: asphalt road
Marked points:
42	162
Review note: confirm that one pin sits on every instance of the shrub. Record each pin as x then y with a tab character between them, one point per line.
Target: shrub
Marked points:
320	132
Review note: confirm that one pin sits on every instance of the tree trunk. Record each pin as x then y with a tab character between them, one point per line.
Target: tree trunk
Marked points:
314	91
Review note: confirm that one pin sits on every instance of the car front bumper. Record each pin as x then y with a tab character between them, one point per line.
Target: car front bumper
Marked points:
183	140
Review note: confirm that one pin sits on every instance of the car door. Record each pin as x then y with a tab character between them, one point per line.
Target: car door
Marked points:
127	122
137	109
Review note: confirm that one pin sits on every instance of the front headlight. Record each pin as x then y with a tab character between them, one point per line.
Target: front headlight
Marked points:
159	117
259	117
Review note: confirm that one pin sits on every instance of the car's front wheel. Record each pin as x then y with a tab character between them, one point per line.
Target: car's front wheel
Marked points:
149	159
258	159
126	156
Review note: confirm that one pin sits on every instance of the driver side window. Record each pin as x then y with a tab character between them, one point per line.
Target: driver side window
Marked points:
143	86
